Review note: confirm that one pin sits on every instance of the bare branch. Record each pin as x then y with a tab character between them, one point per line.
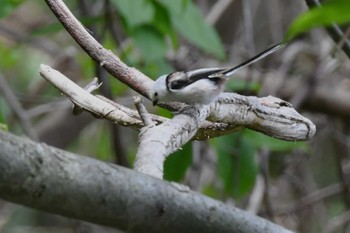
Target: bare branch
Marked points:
147	120
85	100
269	115
130	76
52	180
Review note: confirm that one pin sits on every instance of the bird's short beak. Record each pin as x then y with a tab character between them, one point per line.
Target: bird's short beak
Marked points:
155	102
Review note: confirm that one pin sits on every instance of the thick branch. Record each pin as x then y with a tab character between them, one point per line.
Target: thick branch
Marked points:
156	143
59	182
269	115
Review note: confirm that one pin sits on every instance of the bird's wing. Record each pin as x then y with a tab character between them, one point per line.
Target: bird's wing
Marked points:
196	75
254	59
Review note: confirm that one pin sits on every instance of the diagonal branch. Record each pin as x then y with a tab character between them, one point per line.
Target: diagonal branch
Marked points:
16	106
59	182
110	62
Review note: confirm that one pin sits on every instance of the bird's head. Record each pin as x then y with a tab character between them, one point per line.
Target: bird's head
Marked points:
159	90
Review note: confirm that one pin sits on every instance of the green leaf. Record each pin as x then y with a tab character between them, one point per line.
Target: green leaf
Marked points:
190	23
4	127
176	164
161	19
259	140
135	12
237	166
241	85
332	11
150	42
7	6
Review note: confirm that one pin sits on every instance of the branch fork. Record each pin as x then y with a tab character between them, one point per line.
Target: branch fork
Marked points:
230	113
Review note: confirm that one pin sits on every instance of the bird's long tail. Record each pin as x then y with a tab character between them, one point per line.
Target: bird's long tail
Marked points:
254	59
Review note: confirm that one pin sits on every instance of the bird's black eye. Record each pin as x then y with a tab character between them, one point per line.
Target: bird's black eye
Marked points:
156	94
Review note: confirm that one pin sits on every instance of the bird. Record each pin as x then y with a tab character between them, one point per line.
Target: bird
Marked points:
200	86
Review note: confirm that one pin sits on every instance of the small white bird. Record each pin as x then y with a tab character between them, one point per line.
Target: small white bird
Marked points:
201	86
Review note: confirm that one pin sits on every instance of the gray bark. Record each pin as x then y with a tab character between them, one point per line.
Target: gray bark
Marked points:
59	182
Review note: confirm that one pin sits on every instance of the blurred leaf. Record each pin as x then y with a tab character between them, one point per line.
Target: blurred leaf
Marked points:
135	12
3	111
176	164
332	11
190	23
10	56
4	127
7	6
150	42
240	85
237	166
47	29
22	216
259	140
210	191
161	19
163	23
57	26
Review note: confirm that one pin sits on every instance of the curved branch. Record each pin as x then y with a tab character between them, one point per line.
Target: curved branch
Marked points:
55	181
130	76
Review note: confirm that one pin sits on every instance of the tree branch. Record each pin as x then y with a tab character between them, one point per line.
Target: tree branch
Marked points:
228	114
269	115
16	106
130	76
59	182
166	138
231	113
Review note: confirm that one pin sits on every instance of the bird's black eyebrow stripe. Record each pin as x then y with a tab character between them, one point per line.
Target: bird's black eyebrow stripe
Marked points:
179	84
167	84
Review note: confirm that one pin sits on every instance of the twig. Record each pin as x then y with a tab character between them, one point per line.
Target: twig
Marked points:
85	100
312	198
16	106
334	31
147	120
257	195
217	10
344	38
89	88
337	223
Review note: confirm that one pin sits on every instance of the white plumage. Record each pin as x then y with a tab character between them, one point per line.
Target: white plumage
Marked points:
201	86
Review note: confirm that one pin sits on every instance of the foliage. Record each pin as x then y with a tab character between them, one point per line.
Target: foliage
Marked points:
154	25
177	164
237	161
331	11
151	22
7	6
